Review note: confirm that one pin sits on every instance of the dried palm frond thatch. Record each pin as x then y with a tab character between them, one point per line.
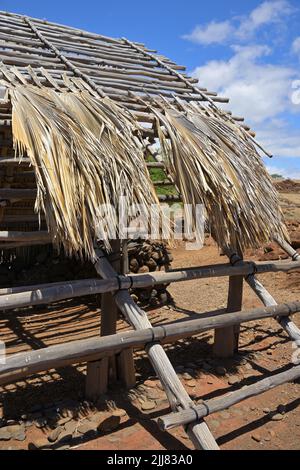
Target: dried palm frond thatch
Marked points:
214	163
85	155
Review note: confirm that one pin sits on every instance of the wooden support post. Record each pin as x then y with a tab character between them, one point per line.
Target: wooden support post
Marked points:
227	339
125	360
100	373
109	370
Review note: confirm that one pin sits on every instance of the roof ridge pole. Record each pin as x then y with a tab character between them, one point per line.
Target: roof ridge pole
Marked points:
195	89
62	57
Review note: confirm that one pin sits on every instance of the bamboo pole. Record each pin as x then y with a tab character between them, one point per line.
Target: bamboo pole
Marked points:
287	324
185	417
54	293
24	364
199	433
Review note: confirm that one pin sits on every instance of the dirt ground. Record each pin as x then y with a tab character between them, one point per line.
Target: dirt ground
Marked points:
51	405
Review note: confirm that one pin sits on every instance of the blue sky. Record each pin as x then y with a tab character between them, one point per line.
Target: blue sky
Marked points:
248	51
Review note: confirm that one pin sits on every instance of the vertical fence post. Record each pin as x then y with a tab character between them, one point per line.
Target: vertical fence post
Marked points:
226	341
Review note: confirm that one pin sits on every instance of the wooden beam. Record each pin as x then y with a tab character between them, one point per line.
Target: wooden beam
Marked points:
24	364
185	417
54	292
176	393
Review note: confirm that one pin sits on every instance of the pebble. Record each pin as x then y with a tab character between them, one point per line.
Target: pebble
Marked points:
266	411
281	409
4	435
148	405
110	424
256	437
150	383
277	417
221	370
206	366
54	435
153	394
187	376
63	421
38	444
119	412
191	383
233	380
248	366
87	426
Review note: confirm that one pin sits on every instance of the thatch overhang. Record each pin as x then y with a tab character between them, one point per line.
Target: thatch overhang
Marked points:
66	60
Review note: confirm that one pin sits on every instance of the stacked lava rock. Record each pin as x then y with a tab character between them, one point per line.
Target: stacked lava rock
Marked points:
144	257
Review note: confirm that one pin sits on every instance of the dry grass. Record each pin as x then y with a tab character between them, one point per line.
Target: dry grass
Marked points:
214	163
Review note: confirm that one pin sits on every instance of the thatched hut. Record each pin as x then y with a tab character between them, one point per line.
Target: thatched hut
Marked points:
79	113
120	88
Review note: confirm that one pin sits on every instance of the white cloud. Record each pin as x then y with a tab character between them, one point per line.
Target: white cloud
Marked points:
266	13
296	46
221	32
256	91
212	33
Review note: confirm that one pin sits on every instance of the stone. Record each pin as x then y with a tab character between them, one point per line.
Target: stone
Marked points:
70	427
191	383
4	435
148	405
277	417
40	423
150	383
110	424
21	436
54	435
86	427
152	394
187	376
248	366
221	370
266	411
234	380
63	421
256	437
119	412
144	270
17	432
281	409
38	444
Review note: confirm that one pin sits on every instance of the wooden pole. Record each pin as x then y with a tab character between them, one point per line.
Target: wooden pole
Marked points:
287	324
100	373
176	393
30	362
217	404
56	292
227	339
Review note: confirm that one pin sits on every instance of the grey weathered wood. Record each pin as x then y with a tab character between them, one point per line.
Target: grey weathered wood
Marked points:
287	248
88	350
199	433
217	404
227	339
100	373
287	324
24	236
55	293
